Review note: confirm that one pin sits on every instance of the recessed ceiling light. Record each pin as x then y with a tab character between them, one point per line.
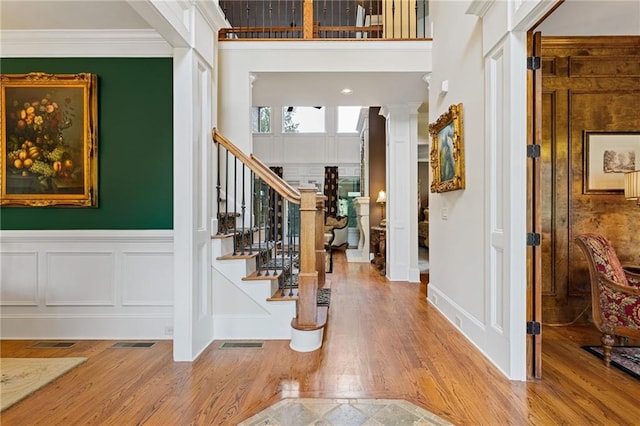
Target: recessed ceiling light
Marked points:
346	91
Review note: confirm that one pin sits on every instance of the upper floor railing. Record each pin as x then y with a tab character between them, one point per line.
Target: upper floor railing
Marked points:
326	19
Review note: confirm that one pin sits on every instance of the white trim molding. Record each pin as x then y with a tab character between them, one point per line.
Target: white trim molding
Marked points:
91	284
83	43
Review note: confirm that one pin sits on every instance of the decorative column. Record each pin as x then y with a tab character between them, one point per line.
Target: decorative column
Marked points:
361	254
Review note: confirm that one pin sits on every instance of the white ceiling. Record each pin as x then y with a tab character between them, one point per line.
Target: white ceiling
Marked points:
573	17
69	15
324	89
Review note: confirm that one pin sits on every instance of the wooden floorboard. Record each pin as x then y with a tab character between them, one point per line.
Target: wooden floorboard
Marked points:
383	340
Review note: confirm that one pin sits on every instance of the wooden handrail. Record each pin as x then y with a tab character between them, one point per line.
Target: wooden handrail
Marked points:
293	194
259	168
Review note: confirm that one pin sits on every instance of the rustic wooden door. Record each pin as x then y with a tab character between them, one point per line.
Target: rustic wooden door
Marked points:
534	234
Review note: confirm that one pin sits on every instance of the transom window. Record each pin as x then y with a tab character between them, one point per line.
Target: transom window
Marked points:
303	119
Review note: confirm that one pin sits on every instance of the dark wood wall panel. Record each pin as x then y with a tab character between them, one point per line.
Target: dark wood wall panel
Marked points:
592	84
604	66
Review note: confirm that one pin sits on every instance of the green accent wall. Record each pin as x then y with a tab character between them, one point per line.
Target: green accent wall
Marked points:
135	146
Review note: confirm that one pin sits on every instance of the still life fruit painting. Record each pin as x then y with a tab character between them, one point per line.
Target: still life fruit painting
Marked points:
49	146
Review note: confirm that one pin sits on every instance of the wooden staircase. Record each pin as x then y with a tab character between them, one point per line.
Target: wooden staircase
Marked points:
265	286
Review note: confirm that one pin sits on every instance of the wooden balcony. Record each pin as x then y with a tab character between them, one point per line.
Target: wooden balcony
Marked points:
326	19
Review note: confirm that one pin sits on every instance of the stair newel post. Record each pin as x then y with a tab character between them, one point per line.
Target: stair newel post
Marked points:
307	309
319	239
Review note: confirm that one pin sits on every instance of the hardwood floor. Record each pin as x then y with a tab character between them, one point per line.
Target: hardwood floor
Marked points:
383	341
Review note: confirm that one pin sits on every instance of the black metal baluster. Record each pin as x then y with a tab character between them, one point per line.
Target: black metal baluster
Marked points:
393	19
251	210
218	188
237	238
275	231
260	215
226	192
267	233
271	34
416	7
290	230
243	210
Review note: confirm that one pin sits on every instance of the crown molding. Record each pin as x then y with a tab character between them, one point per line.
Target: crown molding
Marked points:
479	7
83	43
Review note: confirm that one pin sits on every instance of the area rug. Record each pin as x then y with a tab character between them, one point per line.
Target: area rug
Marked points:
626	358
23	376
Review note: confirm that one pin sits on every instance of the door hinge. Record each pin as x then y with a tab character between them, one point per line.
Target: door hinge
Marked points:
533	62
533	151
533	327
533	239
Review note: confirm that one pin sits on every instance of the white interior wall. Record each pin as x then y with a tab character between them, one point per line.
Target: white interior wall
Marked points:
489	78
456	218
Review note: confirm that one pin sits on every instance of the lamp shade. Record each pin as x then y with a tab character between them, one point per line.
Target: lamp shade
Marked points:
632	185
382	197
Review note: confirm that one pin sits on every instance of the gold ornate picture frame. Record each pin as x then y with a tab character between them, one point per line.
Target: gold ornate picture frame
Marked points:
447	151
49	153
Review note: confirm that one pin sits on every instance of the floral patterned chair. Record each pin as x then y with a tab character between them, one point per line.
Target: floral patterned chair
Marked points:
615	292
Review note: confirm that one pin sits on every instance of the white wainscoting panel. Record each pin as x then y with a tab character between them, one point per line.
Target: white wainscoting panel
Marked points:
19	278
90	284
80	278
142	276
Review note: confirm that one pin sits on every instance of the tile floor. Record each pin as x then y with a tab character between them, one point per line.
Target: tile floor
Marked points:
343	412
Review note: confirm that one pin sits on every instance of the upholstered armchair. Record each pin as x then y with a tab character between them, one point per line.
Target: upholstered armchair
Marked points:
337	226
615	292
335	236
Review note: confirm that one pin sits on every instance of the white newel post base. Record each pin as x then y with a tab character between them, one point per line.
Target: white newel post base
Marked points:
306	340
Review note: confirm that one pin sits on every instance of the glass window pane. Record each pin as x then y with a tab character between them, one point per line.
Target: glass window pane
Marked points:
348	119
261	119
303	119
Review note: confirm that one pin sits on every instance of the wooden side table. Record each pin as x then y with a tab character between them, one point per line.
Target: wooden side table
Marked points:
378	248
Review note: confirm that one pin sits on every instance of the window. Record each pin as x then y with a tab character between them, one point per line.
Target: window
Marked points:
303	119
261	119
348	119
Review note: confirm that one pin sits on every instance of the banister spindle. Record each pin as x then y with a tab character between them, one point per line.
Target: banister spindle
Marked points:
251	210
226	192
243	206
218	188
237	238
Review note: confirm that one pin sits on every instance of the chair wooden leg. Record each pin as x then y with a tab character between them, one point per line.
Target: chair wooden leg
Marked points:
608	341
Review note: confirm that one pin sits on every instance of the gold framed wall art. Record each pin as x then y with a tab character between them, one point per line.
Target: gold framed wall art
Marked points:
49	140
607	156
447	151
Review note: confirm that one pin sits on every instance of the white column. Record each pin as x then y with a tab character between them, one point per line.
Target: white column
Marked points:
402	190
191	30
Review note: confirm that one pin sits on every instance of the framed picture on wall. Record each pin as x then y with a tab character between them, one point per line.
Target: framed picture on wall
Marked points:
49	140
447	151
607	157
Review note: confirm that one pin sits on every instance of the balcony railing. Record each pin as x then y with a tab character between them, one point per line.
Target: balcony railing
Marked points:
326	19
